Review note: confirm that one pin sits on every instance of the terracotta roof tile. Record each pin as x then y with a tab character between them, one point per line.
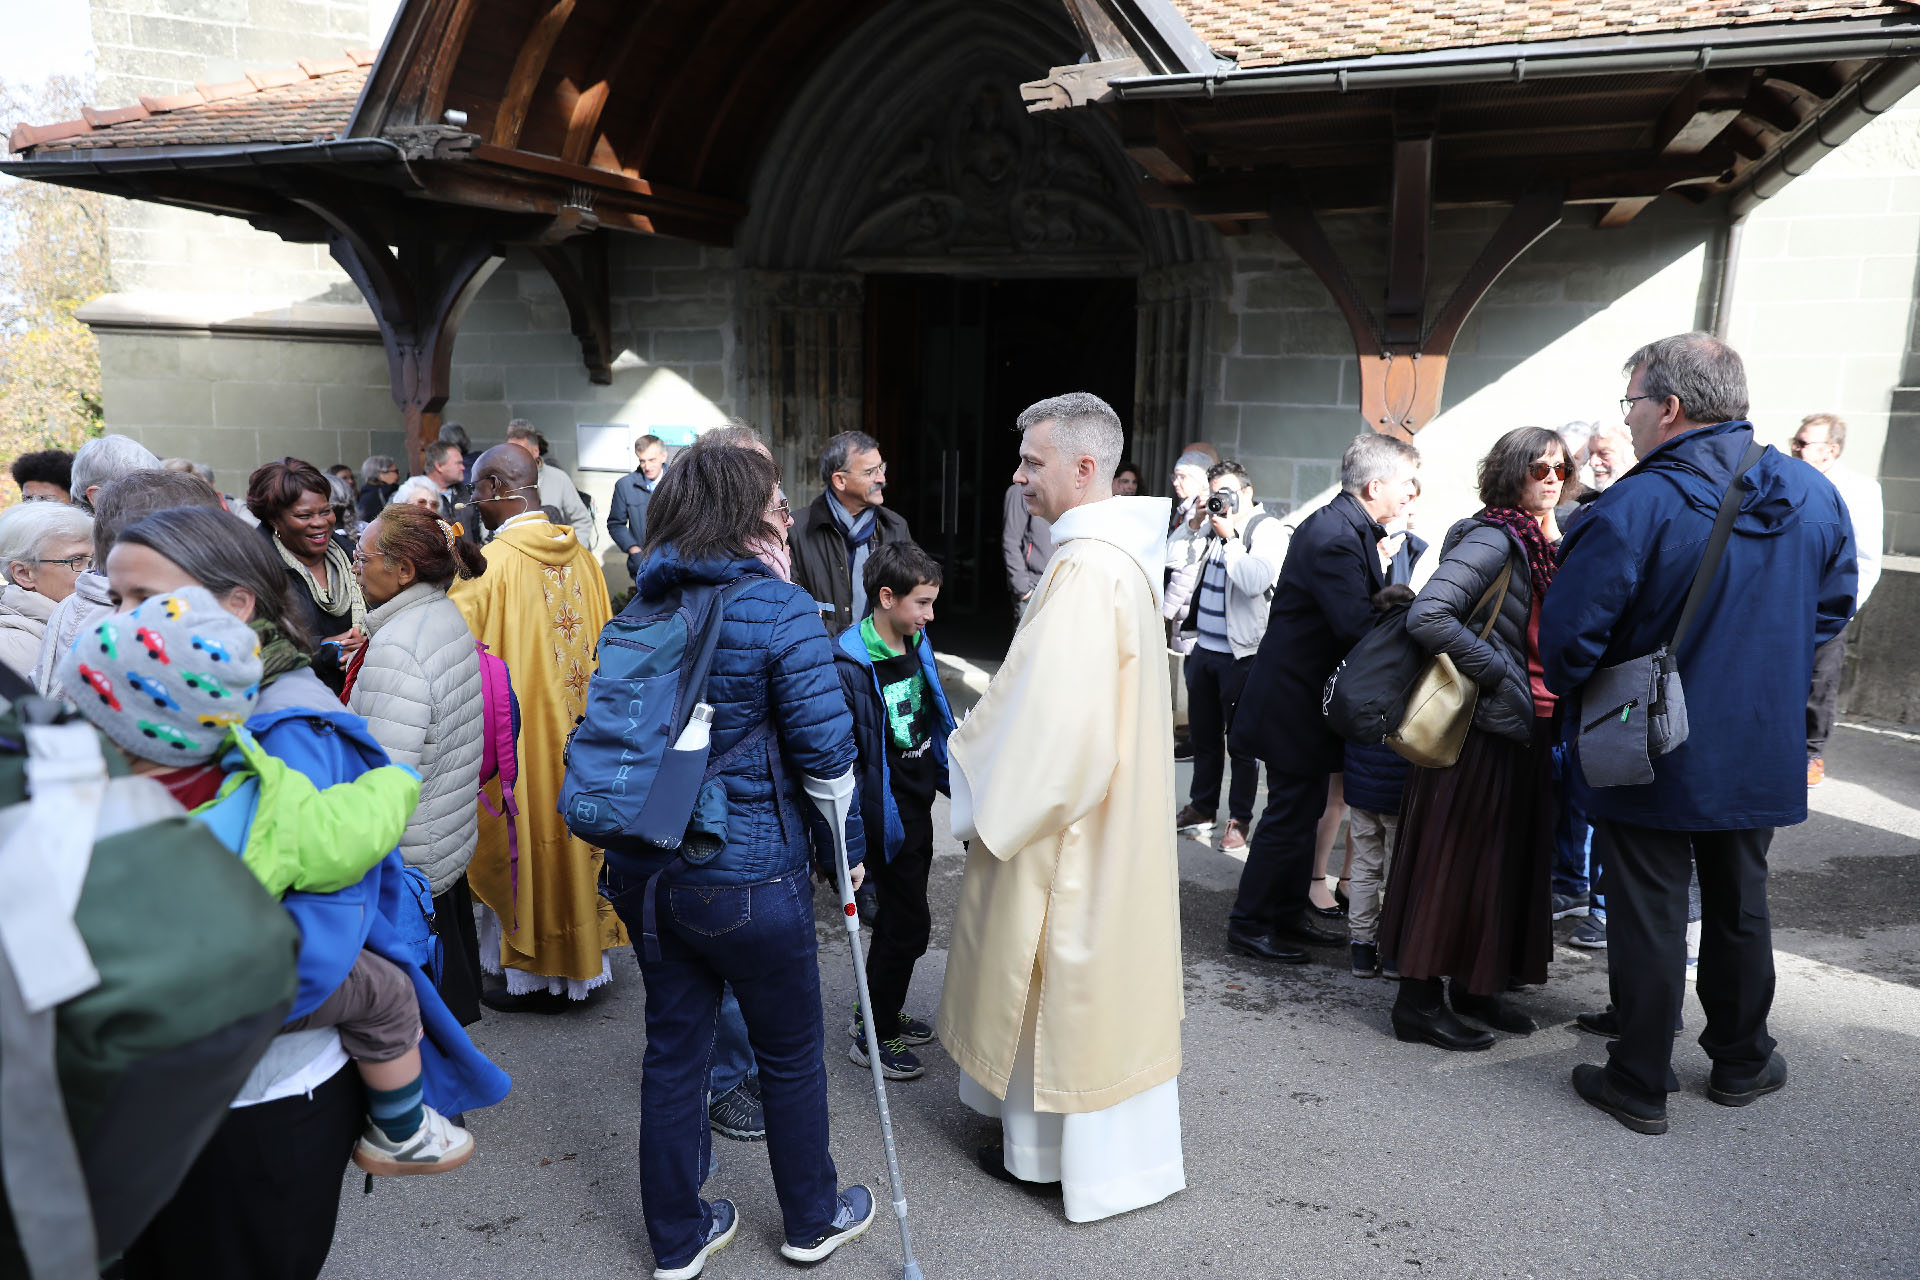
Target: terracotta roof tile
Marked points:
1261	33
306	103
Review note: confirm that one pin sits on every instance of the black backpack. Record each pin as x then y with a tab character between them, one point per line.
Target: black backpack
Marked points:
1366	696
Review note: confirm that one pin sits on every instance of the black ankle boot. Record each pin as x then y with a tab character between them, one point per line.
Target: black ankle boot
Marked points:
1492	1010
1420	1013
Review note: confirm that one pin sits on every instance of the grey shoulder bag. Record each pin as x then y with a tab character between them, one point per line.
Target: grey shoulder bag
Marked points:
1636	710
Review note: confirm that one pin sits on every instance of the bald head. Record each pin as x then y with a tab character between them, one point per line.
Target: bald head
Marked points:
503	484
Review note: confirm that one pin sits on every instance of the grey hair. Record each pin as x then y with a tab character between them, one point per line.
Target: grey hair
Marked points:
1371	457
1576	434
1836	429
409	487
1194	458
839	450
374	467
1612	431
1084	426
520	429
105	460
26	529
188	467
1705	373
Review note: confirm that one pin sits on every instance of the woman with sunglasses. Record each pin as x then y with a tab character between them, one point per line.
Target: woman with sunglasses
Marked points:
1467	898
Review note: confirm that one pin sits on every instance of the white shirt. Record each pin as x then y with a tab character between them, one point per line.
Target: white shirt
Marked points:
1867	509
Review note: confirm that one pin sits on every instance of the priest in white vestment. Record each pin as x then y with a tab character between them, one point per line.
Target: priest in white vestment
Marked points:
1063	994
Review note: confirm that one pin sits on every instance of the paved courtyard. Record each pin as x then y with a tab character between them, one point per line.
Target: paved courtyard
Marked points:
1316	1144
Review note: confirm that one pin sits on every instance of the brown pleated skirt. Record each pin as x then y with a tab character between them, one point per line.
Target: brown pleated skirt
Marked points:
1468	894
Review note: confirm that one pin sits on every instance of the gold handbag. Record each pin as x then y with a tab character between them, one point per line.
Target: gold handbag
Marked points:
1440	704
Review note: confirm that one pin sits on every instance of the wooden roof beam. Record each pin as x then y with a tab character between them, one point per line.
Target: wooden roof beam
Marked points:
1701	112
1150	134
529	65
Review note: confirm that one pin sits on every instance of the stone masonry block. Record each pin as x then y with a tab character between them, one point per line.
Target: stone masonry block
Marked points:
261	405
494	315
147	402
1286	333
1853	238
481	384
1282	380
234	12
677	314
321	448
360	364
343	408
710	380
1286	287
687	346
1319	432
141	355
530	382
256	47
211	445
176	36
681	283
659	251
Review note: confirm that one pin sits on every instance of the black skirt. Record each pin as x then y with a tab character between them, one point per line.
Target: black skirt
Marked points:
453	924
1468	895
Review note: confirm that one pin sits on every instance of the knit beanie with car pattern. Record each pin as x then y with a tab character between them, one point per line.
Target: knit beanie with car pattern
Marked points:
168	679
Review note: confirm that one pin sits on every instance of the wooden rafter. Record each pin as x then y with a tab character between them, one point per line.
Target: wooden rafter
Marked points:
529	65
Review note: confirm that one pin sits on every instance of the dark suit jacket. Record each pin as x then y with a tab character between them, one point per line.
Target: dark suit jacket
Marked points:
1321	608
821	566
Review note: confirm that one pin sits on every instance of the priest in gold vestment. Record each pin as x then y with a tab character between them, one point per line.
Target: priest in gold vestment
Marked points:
1063	999
539	607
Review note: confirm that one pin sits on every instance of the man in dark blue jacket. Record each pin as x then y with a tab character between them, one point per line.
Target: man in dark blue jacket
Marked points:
1786	584
627	513
1321	608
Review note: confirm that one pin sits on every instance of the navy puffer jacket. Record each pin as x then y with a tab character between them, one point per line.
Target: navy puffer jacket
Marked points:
772	660
1442	620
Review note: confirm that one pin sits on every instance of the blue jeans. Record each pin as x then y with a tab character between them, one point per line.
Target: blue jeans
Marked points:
732	1055
1576	863
758	938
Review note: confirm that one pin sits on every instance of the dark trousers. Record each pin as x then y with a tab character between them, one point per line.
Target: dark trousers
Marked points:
759	938
1214	683
1273	888
905	925
261	1201
1646	873
1823	699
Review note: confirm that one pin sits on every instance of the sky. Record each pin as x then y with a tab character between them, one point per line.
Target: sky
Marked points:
44	37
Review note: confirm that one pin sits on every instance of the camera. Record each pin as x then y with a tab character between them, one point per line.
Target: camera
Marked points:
1223	502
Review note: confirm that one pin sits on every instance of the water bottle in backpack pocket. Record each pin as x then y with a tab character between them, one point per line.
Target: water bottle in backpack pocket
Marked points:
637	776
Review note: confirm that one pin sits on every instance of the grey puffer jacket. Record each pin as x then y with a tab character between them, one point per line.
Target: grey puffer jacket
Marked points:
1439	620
419	692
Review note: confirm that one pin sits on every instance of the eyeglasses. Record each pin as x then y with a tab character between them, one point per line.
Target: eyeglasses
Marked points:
785	512
1626	403
1541	470
1800	446
78	564
871	473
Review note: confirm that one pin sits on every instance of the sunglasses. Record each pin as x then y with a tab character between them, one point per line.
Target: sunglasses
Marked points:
1541	470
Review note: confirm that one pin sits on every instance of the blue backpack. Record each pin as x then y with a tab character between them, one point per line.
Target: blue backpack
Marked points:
628	789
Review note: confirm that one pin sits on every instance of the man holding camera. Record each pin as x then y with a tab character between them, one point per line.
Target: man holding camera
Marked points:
1241	563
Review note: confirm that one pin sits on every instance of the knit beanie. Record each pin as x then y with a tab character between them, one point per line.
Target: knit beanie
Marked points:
168	679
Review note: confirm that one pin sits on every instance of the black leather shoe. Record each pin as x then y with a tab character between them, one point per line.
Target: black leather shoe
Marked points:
1264	947
1492	1010
1730	1092
501	1001
992	1160
1439	1028
1591	1083
1607	1023
1302	929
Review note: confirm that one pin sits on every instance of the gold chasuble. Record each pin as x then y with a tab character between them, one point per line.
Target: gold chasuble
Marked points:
540	607
1063	781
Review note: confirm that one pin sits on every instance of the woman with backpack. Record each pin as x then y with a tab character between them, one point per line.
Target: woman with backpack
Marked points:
744	916
263	1197
1467	898
417	684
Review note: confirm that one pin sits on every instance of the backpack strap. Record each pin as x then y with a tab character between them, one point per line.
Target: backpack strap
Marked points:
1246	540
1716	544
43	962
506	763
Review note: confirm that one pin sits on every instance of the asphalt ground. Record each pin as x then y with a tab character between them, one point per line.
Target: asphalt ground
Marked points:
1316	1144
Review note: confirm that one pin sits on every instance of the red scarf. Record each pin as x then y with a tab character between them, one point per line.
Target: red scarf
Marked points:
1540	559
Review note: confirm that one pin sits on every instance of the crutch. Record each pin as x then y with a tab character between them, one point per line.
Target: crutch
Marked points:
834	798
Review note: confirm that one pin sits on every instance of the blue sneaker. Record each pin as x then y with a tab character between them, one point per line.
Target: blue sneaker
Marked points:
850	1222
897	1062
910	1029
720	1231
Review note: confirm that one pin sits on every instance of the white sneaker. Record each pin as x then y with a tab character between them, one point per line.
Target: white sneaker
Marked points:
435	1147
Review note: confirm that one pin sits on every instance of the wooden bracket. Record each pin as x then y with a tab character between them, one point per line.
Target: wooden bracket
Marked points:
1403	371
418	274
579	268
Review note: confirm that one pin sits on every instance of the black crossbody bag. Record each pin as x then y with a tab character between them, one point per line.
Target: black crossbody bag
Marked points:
1636	710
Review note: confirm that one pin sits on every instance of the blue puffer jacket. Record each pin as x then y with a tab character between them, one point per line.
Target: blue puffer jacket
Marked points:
1375	778
386	912
1785	585
772	659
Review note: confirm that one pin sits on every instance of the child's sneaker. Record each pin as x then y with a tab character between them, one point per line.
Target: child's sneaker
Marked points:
435	1147
852	1217
911	1029
897	1062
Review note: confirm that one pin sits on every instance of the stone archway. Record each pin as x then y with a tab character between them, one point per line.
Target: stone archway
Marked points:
910	151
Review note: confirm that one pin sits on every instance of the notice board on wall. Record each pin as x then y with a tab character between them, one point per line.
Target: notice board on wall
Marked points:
608	446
